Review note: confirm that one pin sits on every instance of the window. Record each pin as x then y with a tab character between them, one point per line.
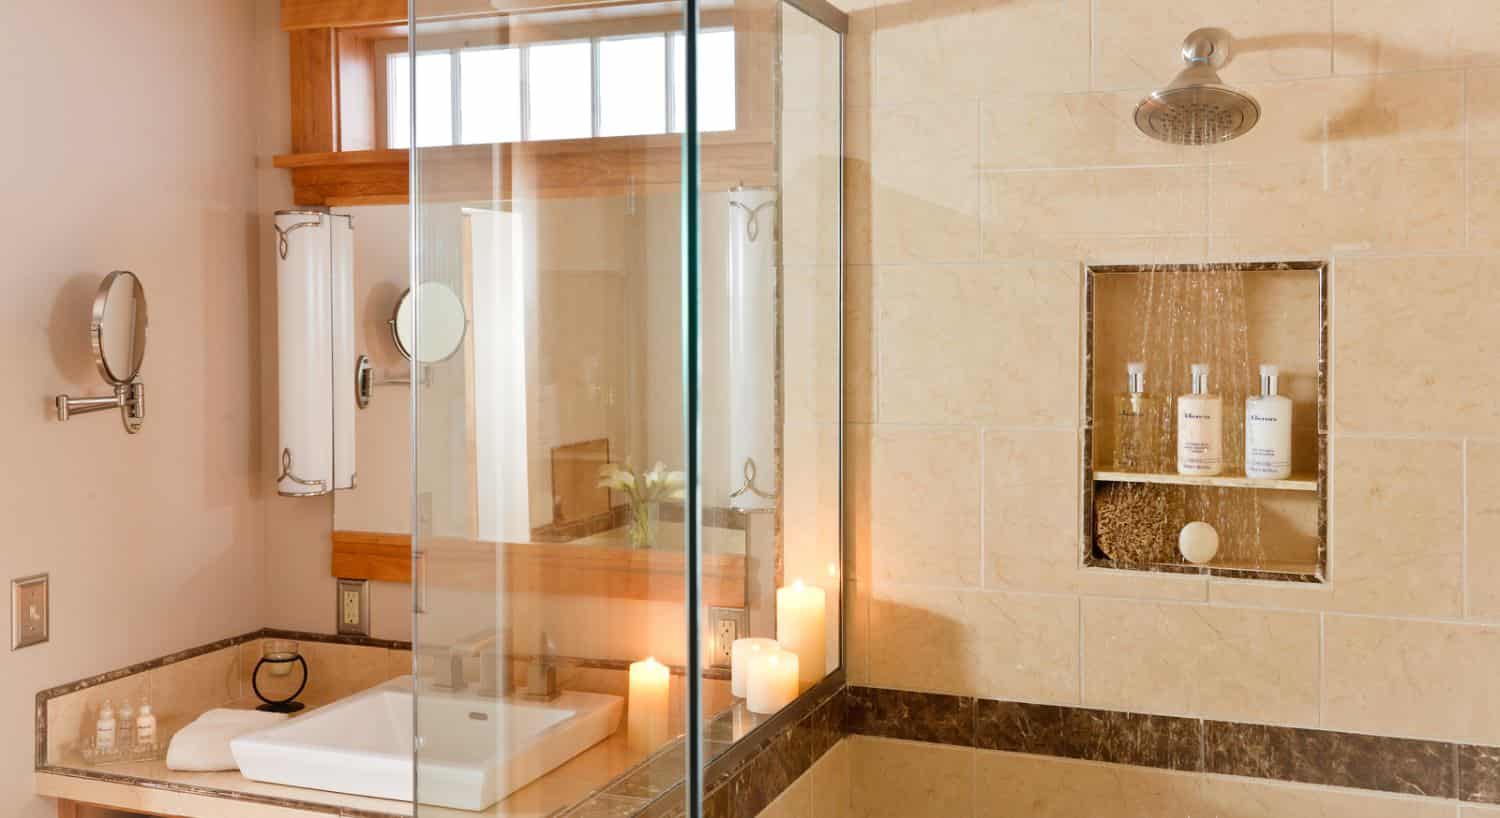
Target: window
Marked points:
607	86
489	95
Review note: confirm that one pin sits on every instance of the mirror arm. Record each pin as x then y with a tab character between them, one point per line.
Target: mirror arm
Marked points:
129	398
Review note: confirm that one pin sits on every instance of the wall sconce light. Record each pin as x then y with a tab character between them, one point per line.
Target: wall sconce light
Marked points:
315	329
752	348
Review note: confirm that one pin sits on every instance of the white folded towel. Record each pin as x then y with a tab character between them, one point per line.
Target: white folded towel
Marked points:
203	746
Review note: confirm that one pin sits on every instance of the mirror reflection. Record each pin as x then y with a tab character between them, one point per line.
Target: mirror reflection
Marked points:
119	327
443	323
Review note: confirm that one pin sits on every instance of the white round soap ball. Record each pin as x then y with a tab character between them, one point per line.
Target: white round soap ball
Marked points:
1198	542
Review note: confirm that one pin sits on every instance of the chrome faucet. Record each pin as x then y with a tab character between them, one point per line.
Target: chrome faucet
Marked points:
482	643
541	676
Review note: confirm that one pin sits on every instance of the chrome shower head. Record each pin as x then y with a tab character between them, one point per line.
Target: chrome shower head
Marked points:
1197	108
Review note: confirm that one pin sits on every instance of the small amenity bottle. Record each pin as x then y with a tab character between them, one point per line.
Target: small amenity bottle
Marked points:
1200	428
104	729
1268	430
1136	415
145	727
125	727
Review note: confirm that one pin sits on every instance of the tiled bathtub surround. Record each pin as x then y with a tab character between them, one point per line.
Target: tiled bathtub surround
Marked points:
978	187
1413	767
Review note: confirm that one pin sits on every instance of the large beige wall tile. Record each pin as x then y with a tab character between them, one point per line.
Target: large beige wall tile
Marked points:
1474	811
1396	526
1031	501
831	796
857	632
1012	785
810	375
924	505
183	690
1238	664
1342	206
899	779
859	475
1482	96
1394	35
1152	212
1484	204
1411	678
985	343
861	378
1415	341
953	49
1139	45
1482	562
1226	797
993	645
924	183
1069	131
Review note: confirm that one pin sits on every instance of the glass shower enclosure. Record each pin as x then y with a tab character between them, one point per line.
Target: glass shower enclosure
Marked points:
626	402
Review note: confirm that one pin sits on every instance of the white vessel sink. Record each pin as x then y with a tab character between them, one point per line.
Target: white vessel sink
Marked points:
474	752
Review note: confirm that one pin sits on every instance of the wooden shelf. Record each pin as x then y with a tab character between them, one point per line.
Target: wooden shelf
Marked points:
1296	483
561	168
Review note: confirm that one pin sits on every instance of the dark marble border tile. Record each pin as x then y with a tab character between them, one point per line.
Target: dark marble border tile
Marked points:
1479	774
1166	742
1410	766
933	717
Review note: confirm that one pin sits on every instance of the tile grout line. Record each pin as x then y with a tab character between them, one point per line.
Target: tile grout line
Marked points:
1463	556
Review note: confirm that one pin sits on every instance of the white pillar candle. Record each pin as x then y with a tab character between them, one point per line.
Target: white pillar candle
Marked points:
773	681
647	725
739	661
800	612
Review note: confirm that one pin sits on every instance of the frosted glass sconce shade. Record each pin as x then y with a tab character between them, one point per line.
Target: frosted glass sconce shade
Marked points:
752	348
315	347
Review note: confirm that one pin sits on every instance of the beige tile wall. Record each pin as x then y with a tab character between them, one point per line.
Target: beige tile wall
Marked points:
990	154
911	780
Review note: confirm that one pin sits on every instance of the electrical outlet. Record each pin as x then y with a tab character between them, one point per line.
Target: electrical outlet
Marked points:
353	607
28	611
725	625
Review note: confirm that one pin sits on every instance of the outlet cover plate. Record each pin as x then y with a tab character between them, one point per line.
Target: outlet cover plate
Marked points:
352	607
29	611
724	626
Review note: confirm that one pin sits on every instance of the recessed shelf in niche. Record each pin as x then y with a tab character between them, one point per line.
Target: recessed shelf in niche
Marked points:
1233	317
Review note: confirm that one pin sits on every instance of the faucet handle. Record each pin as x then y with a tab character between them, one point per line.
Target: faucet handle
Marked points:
495	678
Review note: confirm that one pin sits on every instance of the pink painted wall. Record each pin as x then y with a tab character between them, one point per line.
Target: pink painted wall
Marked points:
128	144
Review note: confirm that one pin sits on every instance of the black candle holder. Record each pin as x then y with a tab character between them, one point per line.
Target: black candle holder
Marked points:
287	654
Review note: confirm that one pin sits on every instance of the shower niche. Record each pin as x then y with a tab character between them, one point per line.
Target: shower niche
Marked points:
1147	330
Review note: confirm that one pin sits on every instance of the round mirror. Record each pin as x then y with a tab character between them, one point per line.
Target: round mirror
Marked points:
118	331
443	323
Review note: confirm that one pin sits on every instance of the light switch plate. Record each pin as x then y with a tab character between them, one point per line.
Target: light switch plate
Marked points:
28	611
352	608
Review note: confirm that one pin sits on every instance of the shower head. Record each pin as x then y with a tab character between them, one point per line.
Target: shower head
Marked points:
1197	108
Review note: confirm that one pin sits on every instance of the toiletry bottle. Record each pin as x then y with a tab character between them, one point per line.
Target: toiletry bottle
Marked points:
104	729
1268	430
1200	428
145	727
1136	415
125	727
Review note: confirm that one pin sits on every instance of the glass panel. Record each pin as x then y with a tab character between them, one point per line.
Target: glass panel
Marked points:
561	90
490	94
716	81
540	586
398	100
564	520
632	85
435	96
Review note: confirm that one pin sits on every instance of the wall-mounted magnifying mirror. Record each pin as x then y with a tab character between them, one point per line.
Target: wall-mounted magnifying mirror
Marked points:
443	327
117	335
443	323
